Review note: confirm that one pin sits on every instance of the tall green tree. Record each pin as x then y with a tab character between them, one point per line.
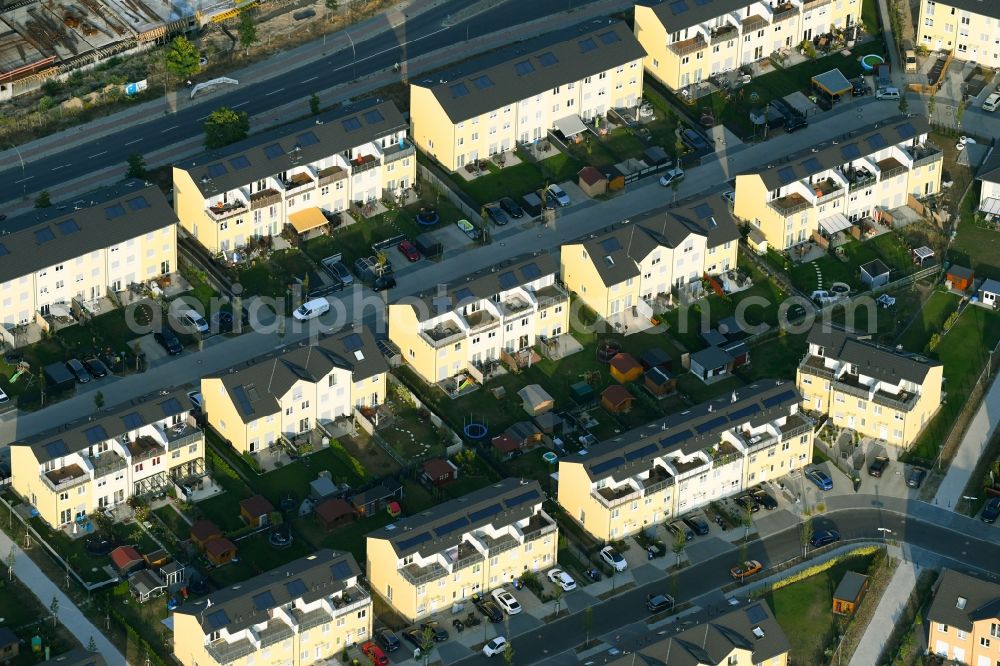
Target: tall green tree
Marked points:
136	166
904	106
314	104
332	5
43	200
182	58
247	30
98	400
225	126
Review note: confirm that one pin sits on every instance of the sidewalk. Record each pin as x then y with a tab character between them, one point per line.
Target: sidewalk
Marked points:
70	616
887	613
981	428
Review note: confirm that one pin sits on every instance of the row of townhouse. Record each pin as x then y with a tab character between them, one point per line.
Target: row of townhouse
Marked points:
425	563
139	449
302	613
686	41
470	322
968	28
963	621
876	391
298	175
686	460
827	189
112	238
259	403
517	94
651	255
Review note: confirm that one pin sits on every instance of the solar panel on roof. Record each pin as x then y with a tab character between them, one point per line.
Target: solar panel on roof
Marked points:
216	170
406	544
264	601
483	82
508	280
547	59
133	420
703	210
524	68
171	406
786	174
876	141
642	452
587	45
906	131
676	438
239	162
678	7
295	588
137	203
812	165
306	139
529	496
448	528
459	90
491	510
95	434
778	399
114	211
850	152
373	117
56	449
531	271
273	151
708	426
3	250
218	619
341	570
745	412
464	294
609	37
352	342
252	392
44	235
610	245
68	227
607	465
755	614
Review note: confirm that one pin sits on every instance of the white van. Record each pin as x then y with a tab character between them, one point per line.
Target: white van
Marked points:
992	103
888	93
312	309
195	321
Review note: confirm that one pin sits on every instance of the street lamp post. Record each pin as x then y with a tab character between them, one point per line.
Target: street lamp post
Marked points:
354	56
24	180
970	499
885	532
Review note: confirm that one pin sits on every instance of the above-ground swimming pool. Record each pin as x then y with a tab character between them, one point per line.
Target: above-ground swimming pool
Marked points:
869	61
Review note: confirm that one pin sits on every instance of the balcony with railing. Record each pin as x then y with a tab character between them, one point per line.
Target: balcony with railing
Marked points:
441	335
350	599
859	177
815	365
612	497
222	211
181	434
466	555
723	454
421	575
514	306
656	479
902	401
757	441
65	477
307	620
688	46
813	4
784	12
298	183
363	163
827	190
500	544
275	632
265	198
539	524
551	295
790	204
924	154
224	652
398	151
107	463
795	424
688	467
144	447
890	168
480	319
723	33
331	174
852	385
754	23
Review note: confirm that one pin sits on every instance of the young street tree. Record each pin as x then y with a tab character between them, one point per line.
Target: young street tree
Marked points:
508	653
314	104
680	541
98	400
225	126
807	535
426	644
182	58
588	624
247	30
54	609
136	166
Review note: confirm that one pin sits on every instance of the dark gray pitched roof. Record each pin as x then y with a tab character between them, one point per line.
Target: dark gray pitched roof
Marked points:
711	358
80	657
990	8
324	573
526	69
127	417
990	169
882	363
751	627
850	585
675	15
485	283
257	386
975	596
222	170
97	220
807	163
441	527
686	432
668	226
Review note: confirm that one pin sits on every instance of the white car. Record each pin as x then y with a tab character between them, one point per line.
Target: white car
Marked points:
992	103
887	93
506	601
3	397
672	176
495	646
195	321
562	579
559	194
614	559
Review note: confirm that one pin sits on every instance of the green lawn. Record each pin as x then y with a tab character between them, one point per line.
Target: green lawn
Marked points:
869	17
177	525
350	537
775	358
24	614
929	321
975	245
472	476
256	556
618	145
803	609
274	276
889	247
412	436
106	330
516	181
887	324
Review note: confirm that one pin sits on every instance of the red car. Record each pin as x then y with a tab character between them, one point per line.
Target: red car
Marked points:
375	654
409	250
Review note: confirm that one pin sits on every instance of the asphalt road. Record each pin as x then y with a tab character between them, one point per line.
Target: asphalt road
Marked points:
419	35
548	642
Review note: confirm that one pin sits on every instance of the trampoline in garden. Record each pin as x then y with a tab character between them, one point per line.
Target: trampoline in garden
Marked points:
608	350
97	545
475	430
428	217
280	537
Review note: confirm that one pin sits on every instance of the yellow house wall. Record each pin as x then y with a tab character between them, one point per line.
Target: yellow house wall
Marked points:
221	413
433	131
27	482
659	61
574	496
980	44
927	176
776	460
751	206
552	318
189	205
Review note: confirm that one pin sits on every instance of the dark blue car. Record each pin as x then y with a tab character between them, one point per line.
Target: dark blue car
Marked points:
822	481
824	538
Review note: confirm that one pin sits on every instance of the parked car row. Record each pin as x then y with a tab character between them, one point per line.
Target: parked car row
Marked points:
83	371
